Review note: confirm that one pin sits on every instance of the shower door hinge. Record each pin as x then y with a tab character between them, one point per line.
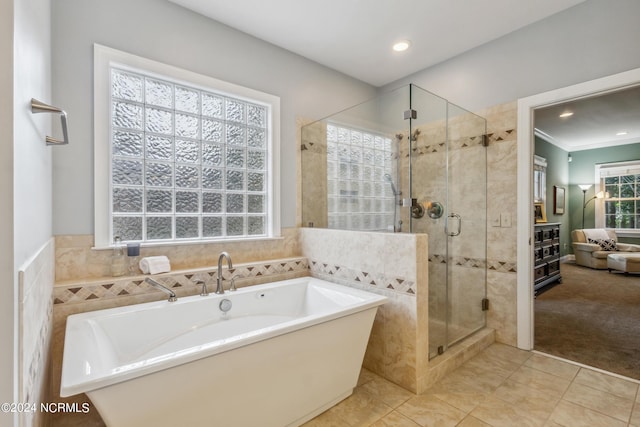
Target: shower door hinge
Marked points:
485	140
485	304
410	114
440	349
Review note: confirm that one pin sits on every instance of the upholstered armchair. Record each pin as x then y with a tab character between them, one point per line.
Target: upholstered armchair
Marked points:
591	246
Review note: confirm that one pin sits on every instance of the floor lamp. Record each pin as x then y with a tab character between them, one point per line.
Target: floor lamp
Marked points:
584	188
599	195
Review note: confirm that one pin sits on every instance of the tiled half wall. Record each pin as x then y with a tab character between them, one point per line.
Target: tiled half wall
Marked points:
387	264
35	323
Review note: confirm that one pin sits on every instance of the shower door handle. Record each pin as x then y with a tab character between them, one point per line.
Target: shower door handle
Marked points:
457	232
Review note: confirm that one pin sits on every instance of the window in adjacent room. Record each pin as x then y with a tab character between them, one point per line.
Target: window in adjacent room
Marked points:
539	179
181	156
622	207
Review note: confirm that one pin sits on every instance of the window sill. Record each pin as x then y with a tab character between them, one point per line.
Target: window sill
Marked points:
195	242
628	233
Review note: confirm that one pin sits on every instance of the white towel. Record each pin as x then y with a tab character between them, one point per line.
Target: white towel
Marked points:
155	265
596	234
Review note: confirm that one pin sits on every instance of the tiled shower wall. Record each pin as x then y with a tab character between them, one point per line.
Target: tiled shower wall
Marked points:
501	199
501	241
35	322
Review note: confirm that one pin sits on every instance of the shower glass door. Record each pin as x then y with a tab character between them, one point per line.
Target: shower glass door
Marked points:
448	183
466	223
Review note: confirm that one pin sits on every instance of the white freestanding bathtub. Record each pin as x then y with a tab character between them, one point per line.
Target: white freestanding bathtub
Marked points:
282	354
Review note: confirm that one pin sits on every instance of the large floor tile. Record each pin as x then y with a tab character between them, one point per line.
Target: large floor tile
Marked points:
498	413
360	408
553	366
535	402
540	380
470	421
395	419
387	392
601	401
609	383
429	411
569	414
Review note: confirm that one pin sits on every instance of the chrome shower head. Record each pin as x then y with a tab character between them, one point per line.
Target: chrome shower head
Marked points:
388	178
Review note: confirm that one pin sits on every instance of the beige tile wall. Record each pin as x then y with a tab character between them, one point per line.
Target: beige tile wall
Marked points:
501	198
388	264
35	328
75	258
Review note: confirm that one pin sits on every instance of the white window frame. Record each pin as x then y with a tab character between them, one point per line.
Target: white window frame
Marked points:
540	183
104	59
622	168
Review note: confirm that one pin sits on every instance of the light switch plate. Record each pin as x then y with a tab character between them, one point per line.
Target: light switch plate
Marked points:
505	220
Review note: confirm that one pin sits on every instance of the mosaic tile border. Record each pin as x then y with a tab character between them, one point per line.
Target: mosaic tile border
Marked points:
379	280
423	148
502	135
493	265
136	285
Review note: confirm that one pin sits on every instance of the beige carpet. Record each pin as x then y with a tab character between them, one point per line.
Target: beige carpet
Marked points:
592	317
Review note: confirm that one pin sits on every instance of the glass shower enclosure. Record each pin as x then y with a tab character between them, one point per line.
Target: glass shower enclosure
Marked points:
409	161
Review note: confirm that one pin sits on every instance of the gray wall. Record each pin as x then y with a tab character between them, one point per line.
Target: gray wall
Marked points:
558	175
165	32
591	40
8	302
25	166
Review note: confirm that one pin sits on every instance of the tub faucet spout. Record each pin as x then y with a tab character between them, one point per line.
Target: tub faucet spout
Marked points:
157	285
219	287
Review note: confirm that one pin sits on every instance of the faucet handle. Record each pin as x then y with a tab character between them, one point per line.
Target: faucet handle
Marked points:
232	287
204	292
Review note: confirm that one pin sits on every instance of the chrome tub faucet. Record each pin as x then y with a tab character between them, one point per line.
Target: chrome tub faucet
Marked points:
219	286
158	285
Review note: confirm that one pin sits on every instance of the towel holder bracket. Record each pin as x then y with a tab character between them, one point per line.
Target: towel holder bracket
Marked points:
41	107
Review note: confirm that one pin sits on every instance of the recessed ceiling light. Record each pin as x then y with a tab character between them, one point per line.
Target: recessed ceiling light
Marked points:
402	45
566	114
622	132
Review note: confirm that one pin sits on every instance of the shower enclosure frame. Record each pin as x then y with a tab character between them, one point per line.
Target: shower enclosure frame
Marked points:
422	128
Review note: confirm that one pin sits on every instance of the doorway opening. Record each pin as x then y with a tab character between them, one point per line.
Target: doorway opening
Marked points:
525	212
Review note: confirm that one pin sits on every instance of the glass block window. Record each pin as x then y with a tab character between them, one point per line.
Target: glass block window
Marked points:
186	163
360	168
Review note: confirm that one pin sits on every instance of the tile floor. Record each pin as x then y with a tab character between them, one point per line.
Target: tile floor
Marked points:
502	386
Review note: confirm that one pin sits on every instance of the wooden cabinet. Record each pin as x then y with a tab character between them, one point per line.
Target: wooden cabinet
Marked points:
546	263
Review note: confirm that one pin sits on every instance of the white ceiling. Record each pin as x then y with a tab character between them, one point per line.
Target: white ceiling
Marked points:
355	36
595	121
